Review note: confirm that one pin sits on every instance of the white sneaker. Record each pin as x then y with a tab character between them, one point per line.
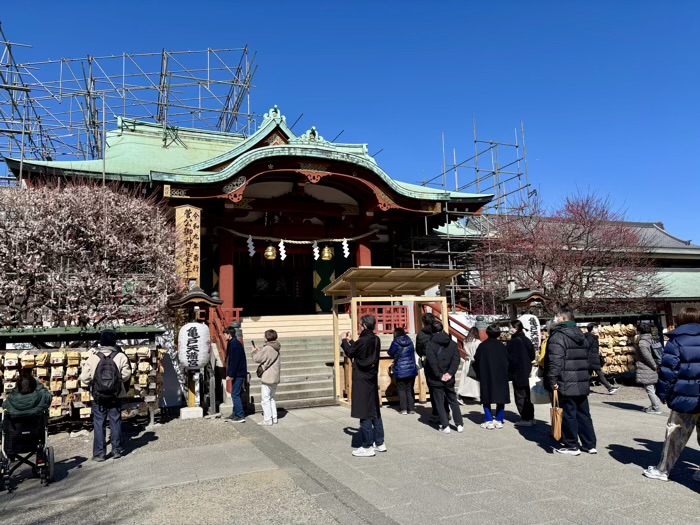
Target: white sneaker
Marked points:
380	448
568	451
497	424
274	421
522	423
589	450
460	428
654	473
488	425
363	452
265	423
444	430
404	412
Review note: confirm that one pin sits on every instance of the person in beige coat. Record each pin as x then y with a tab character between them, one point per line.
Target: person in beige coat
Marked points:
101	410
269	358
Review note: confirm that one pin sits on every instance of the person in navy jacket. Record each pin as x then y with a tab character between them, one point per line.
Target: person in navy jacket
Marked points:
679	388
405	369
236	371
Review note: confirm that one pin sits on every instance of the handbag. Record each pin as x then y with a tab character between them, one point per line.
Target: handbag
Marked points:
262	369
557	414
392	366
471	373
538	393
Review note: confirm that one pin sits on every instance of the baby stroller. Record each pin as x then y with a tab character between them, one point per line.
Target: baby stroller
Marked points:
23	438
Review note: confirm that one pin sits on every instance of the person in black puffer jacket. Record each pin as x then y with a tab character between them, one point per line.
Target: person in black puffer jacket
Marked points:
679	388
569	374
405	370
422	339
442	356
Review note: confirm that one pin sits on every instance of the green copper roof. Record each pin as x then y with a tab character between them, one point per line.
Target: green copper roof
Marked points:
142	152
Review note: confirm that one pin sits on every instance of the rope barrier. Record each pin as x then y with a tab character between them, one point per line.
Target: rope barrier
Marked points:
288	241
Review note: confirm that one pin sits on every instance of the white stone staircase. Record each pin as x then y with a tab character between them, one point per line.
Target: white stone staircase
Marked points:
307	353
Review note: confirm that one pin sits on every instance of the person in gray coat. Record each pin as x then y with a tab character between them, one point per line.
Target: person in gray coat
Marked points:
647	373
269	358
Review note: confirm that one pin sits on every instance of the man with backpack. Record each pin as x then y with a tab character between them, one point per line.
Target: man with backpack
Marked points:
107	370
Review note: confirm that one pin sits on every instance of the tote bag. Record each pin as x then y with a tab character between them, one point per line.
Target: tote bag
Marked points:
557	414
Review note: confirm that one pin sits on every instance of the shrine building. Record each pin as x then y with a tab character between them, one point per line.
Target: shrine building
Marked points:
267	220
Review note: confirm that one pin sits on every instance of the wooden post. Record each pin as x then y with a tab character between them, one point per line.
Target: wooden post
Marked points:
336	351
226	274
191	390
364	254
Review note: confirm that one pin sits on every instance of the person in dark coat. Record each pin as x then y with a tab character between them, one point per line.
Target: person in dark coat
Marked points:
679	388
596	365
442	356
365	387
405	370
521	354
422	339
236	371
491	366
569	374
646	373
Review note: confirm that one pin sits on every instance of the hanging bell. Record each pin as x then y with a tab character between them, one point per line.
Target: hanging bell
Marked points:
270	253
327	253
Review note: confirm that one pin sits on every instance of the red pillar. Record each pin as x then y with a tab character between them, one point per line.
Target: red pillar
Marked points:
226	273
364	254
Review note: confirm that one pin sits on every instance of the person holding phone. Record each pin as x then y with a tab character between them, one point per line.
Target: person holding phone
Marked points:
365	387
269	360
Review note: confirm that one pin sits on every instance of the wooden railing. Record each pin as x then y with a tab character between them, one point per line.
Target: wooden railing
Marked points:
220	319
388	317
436	309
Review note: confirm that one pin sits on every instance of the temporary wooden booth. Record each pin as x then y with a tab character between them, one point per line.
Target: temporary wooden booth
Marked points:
386	293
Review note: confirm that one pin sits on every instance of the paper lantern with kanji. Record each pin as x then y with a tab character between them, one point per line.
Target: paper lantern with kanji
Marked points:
194	345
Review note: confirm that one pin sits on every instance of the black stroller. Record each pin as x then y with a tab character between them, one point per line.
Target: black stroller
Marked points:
23	438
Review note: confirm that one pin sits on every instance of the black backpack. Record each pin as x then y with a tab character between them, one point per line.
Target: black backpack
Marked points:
107	380
657	352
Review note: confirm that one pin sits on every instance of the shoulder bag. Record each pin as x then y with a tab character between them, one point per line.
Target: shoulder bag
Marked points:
261	369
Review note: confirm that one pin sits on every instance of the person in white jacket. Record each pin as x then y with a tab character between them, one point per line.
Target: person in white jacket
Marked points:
469	387
269	359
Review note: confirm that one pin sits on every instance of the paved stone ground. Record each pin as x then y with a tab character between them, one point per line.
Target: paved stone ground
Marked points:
305	466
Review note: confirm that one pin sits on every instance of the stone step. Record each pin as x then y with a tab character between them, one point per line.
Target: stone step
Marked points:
281	395
291	404
307	358
288	386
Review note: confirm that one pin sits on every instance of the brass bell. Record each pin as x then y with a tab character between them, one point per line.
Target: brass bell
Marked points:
270	253
327	253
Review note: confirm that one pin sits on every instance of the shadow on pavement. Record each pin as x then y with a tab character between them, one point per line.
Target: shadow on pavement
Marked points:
623	405
686	466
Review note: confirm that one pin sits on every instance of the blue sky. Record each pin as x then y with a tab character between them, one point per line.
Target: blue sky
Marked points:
608	90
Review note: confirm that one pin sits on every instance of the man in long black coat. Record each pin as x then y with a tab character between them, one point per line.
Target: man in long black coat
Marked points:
365	387
569	374
521	354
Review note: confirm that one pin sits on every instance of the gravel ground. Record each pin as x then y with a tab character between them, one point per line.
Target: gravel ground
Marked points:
172	435
262	497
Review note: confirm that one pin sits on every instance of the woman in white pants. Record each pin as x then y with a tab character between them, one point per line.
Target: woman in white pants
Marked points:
469	387
269	359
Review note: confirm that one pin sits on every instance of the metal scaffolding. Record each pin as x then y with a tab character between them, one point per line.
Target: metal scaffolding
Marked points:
498	168
60	109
